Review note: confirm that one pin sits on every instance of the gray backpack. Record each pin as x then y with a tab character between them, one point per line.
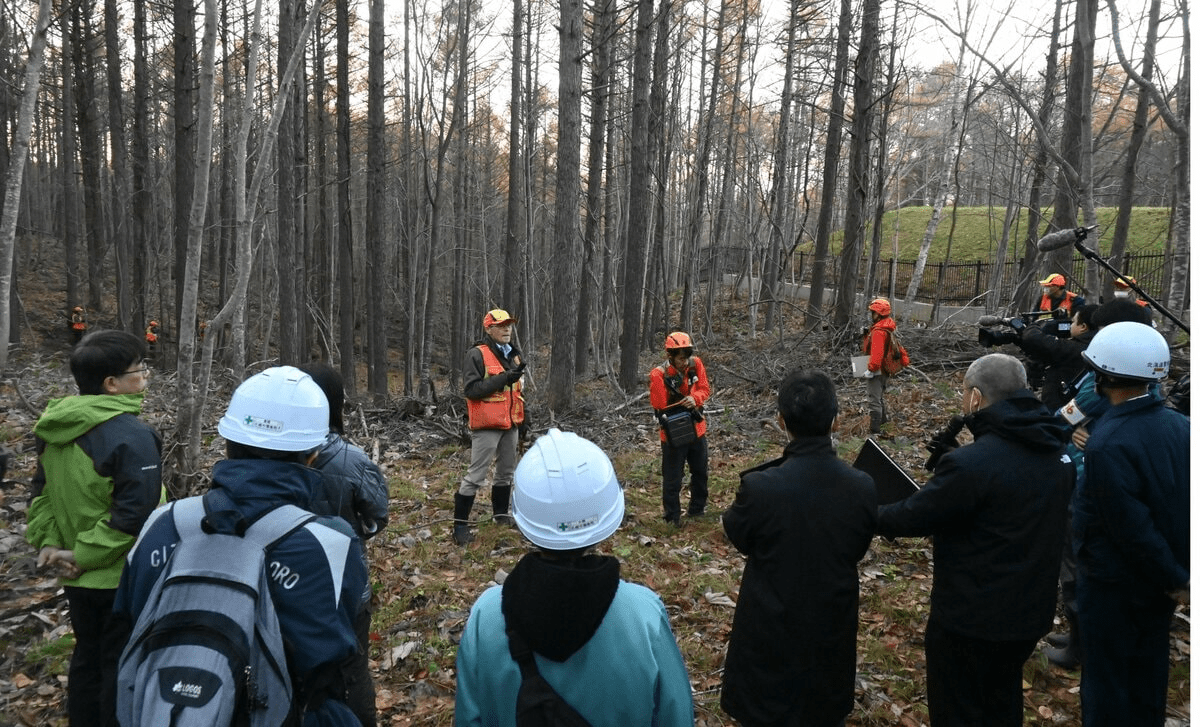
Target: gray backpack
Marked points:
206	649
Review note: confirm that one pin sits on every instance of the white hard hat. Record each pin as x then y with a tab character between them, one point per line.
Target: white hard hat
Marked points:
566	493
1131	351
280	409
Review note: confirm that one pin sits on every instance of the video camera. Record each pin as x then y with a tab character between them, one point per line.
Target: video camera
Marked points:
1058	324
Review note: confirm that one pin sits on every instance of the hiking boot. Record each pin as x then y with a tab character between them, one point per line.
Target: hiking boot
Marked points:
876	422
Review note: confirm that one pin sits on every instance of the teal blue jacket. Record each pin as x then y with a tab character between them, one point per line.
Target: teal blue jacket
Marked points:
630	671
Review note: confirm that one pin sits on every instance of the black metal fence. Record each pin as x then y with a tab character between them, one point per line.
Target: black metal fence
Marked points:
954	283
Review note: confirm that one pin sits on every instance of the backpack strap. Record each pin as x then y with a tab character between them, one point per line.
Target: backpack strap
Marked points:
521	653
275	525
278	524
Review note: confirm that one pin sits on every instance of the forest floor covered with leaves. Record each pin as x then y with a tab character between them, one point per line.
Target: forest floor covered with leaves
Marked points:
424	585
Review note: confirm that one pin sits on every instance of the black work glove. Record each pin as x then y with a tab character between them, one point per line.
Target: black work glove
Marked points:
1017	324
511	377
523	430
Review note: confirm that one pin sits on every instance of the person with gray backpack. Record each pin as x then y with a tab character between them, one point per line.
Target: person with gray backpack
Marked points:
243	602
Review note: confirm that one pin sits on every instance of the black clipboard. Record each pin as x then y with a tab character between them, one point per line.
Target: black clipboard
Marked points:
892	484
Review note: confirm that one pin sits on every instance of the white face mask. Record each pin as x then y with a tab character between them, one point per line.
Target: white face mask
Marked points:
1122	293
1046	290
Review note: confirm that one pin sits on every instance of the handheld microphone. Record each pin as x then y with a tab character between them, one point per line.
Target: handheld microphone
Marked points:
1062	238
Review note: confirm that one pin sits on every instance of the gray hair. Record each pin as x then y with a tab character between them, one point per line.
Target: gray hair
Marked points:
998	376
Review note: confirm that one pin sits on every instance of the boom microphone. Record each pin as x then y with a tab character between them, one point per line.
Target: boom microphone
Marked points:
992	321
1062	238
1055	240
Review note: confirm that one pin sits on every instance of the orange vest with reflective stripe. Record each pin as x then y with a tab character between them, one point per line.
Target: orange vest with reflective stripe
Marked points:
503	409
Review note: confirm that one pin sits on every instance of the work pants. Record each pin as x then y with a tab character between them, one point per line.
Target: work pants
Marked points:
974	681
487	446
695	455
1126	653
99	639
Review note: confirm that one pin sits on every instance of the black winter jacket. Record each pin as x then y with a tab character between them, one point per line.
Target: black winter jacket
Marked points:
997	513
803	522
1060	356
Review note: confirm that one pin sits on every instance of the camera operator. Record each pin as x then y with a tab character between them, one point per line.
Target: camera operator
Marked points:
1051	347
1060	357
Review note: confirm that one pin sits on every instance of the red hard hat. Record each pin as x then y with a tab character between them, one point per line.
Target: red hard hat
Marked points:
881	306
678	339
154	323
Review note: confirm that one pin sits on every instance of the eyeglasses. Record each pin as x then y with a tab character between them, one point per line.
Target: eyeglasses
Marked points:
685	352
144	371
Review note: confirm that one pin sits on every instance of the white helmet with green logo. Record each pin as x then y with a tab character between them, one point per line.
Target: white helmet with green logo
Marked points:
1130	351
566	493
280	409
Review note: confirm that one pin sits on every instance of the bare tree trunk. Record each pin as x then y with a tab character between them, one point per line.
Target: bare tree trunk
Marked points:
1137	137
345	227
779	200
871	288
602	32
514	234
377	372
860	160
566	214
120	172
190	403
829	174
70	155
1178	121
639	204
141	200
88	120
16	169
289	238
184	47
698	192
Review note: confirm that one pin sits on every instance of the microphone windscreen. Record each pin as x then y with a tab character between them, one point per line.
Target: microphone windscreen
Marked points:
990	320
1055	240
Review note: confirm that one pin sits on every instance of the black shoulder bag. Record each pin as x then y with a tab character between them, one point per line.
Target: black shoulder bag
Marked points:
538	705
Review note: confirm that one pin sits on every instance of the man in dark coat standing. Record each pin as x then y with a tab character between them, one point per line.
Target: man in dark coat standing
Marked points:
997	511
803	522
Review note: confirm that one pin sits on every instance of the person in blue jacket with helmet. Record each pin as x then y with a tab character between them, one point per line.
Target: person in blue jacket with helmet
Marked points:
275	423
603	644
1131	527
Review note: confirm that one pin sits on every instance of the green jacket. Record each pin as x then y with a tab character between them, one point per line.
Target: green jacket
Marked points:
99	477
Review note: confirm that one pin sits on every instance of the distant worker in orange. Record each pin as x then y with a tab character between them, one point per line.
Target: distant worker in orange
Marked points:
887	358
1055	295
152	336
78	324
201	330
1121	290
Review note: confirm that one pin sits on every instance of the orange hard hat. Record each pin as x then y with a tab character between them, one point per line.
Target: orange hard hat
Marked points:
1054	279
1118	283
154	323
881	306
77	309
678	339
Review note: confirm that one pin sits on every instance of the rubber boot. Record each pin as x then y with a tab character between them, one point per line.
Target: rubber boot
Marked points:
462	518
500	498
876	422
